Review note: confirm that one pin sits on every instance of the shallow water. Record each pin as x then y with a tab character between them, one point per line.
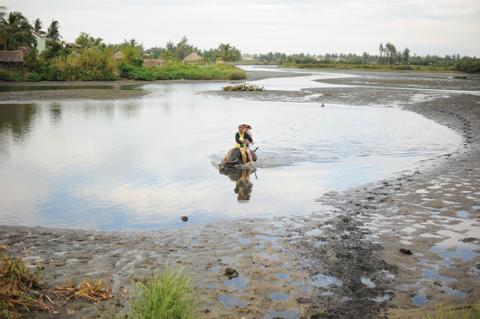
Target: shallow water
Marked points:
142	163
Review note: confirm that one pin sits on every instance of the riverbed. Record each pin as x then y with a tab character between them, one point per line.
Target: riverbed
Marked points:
350	259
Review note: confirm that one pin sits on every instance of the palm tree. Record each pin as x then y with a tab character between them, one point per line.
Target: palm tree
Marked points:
381	49
37	26
53	32
391	52
2	12
15	31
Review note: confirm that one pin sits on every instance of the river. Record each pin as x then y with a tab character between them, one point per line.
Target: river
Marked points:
143	163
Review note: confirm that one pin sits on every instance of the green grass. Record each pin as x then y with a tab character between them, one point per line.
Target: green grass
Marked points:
450	312
69	71
183	71
168	296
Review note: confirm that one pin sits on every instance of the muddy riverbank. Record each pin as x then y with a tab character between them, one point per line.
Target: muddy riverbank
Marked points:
341	262
99	90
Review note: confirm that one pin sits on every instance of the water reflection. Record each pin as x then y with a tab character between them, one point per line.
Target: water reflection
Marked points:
16	120
67	86
141	163
243	185
56	112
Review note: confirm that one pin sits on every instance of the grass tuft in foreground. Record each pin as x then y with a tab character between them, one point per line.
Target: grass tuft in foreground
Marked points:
451	312
21	291
168	296
16	286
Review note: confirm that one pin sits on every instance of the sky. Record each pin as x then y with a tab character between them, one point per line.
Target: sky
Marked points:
258	26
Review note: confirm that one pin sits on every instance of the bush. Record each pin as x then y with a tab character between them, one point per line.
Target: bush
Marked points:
133	72
183	71
469	65
88	65
34	77
10	76
169	296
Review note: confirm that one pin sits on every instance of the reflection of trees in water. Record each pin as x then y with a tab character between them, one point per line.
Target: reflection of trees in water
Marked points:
16	119
56	112
243	185
130	110
95	108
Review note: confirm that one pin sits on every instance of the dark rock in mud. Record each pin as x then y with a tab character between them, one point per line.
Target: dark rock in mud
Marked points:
470	240
231	273
184	218
405	251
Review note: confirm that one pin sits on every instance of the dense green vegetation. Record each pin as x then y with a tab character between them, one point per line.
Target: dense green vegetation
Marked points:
90	58
173	71
168	296
224	52
389	58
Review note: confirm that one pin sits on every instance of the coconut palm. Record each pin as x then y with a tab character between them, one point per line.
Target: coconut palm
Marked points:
15	31
37	26
227	52
53	32
3	11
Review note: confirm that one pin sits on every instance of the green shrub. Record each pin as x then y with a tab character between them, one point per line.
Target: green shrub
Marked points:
181	71
168	296
10	76
133	72
88	65
469	65
34	77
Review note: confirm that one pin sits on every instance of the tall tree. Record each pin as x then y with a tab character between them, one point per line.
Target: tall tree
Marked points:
15	31
53	32
391	52
227	52
85	40
37	26
3	11
382	50
183	48
406	56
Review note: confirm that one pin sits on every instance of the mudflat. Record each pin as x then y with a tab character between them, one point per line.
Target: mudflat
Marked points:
391	248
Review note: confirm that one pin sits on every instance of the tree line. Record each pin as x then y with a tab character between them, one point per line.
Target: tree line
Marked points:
91	58
60	57
224	52
388	56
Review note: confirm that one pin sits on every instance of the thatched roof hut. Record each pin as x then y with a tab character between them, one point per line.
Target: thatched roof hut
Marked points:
193	57
11	56
150	63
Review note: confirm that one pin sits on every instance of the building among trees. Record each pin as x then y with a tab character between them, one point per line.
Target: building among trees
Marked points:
193	57
150	63
41	41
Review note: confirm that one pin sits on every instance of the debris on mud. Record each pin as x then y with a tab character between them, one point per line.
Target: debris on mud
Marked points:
231	273
243	87
405	251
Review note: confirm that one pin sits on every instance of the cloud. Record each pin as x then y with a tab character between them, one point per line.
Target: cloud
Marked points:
426	26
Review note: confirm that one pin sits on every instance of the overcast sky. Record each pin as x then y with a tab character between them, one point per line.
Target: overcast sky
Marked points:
313	26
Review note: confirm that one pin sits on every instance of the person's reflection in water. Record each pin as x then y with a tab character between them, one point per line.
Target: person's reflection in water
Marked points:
243	185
